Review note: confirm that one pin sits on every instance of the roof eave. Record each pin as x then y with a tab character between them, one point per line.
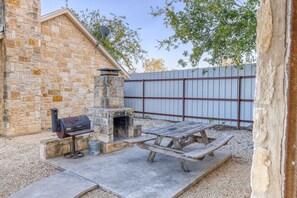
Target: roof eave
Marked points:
86	32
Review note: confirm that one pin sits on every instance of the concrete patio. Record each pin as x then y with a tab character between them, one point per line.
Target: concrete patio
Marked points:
126	173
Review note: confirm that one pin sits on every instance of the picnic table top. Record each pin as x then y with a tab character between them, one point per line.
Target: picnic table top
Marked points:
179	130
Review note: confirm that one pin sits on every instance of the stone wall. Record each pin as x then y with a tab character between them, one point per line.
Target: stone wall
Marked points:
2	59
69	65
270	100
1	13
45	65
22	40
55	147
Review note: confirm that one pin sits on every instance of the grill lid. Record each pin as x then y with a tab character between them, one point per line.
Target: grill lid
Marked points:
75	123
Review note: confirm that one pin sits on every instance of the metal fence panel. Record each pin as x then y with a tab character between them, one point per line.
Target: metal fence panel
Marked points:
218	94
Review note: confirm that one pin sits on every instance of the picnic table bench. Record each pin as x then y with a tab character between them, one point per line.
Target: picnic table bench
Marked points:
180	135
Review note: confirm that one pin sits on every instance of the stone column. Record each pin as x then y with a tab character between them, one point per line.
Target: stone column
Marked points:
270	110
22	83
1	85
2	59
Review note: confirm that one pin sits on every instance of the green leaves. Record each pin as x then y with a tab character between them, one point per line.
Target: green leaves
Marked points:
123	43
225	29
154	65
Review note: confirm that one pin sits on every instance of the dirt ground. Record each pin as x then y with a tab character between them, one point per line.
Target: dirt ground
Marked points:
20	165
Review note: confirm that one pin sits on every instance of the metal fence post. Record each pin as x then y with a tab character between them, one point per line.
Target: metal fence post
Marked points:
143	97
239	102
184	98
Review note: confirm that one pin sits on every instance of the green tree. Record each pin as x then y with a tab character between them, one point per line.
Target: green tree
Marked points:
154	65
66	3
123	43
224	29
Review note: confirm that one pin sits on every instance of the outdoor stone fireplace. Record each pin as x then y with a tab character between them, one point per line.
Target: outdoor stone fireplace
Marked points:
112	122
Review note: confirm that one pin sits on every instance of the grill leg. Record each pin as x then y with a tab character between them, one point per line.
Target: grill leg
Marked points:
74	154
73	145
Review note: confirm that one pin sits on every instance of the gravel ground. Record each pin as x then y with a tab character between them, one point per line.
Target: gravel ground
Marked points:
20	165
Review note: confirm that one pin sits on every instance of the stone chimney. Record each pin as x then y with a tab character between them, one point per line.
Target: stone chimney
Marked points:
109	89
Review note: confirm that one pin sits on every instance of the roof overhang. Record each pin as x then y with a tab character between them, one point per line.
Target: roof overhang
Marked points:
86	32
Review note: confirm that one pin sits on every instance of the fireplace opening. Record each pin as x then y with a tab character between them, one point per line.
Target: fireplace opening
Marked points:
120	128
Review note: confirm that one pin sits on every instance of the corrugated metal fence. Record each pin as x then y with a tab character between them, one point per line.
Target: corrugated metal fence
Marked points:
218	94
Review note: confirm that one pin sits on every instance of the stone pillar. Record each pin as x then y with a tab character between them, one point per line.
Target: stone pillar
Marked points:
2	59
1	85
22	83
270	109
1	13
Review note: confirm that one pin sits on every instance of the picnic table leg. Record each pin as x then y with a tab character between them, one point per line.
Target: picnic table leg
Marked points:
182	143
170	144
178	145
153	154
205	140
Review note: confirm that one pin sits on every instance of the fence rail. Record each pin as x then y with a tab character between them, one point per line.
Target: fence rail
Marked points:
183	96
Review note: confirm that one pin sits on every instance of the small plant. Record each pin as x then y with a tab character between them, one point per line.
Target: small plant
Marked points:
211	120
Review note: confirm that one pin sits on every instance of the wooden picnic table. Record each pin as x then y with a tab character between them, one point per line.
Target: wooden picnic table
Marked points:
180	135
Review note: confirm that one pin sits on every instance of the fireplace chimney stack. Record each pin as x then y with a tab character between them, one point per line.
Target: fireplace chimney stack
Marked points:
109	89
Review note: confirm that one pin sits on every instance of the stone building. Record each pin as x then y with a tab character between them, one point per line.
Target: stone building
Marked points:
46	61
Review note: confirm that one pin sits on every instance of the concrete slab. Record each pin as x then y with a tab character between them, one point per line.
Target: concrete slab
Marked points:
126	173
65	184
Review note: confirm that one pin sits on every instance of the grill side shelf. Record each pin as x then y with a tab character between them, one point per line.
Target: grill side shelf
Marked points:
80	132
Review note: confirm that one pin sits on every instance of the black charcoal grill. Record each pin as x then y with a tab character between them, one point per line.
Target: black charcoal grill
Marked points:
70	127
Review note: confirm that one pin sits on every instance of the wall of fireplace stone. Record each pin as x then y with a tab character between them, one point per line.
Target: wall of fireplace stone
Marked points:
103	122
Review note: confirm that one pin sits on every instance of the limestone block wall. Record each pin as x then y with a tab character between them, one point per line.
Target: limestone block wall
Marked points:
22	42
69	65
270	100
1	85
2	59
55	147
1	13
